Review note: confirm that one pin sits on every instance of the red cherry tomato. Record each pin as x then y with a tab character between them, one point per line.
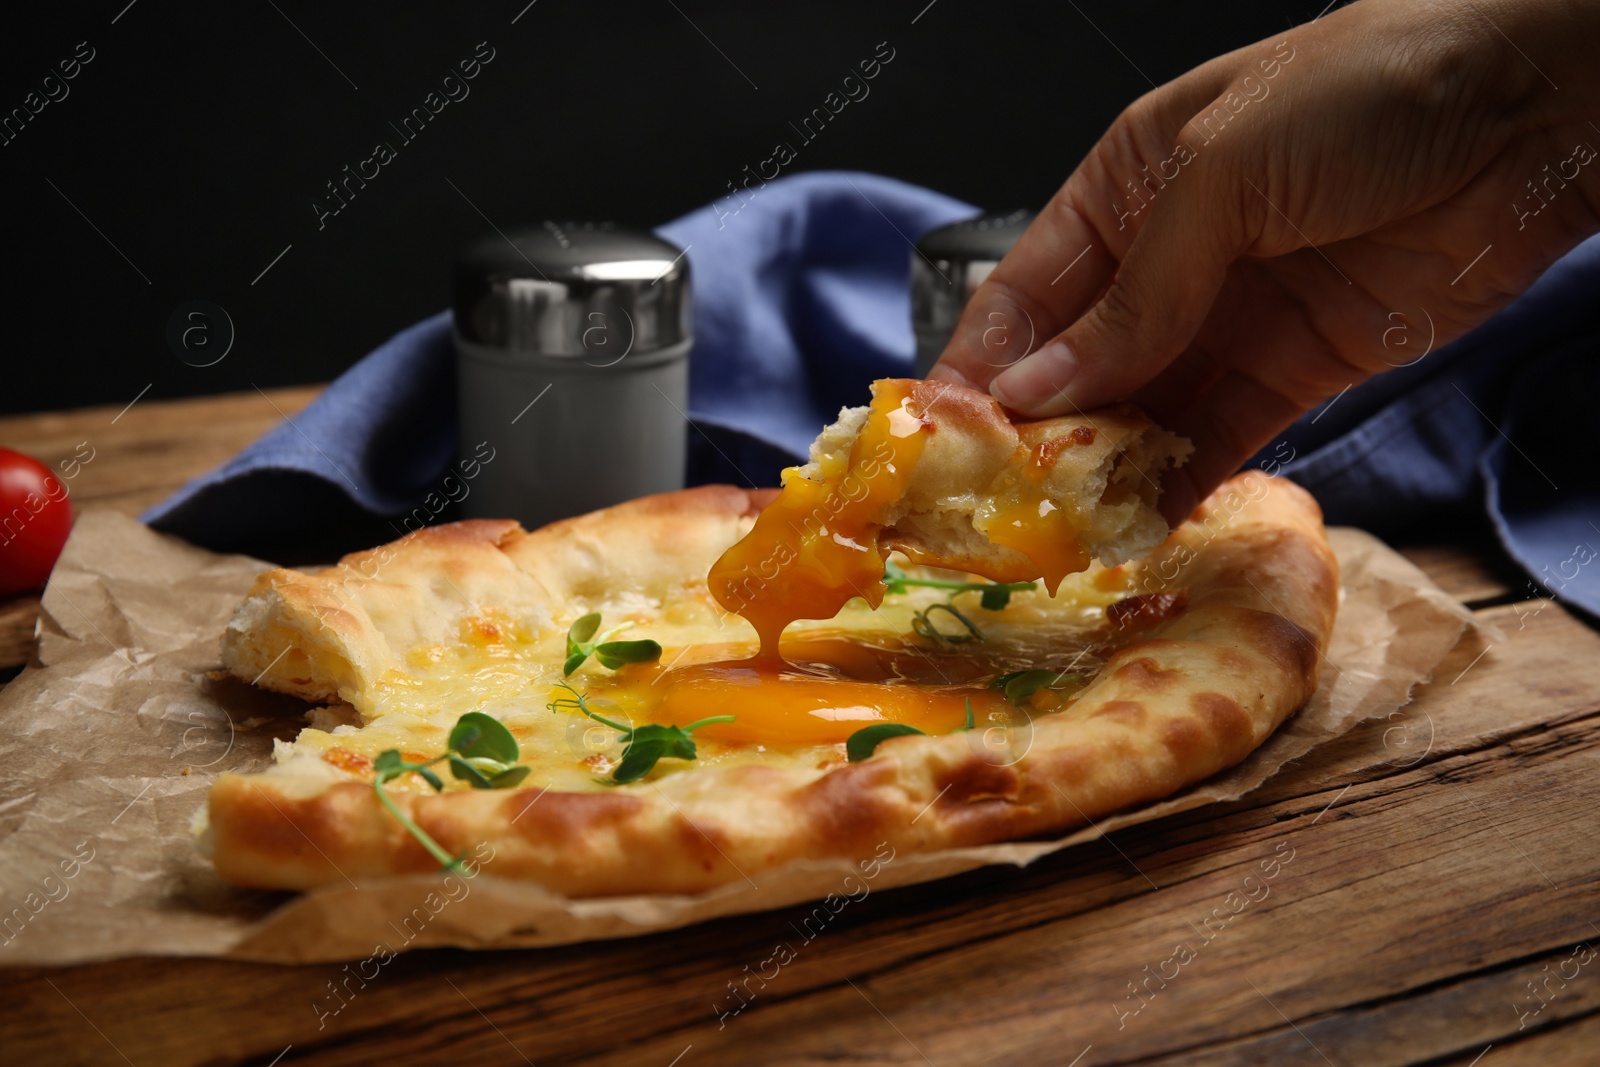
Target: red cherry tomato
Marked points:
35	519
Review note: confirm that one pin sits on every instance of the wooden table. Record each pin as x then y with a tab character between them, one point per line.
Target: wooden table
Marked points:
139	455
1437	881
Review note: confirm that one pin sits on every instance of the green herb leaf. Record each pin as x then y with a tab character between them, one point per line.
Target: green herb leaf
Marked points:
466	772
996	597
1020	689
507	779
577	634
583	629
390	765
1020	686
614	655
993	596
675	740
864	742
480	772
477	734
638	761
480	751
647	744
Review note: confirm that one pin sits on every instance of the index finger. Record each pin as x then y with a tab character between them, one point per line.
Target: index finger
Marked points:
1067	256
1047	280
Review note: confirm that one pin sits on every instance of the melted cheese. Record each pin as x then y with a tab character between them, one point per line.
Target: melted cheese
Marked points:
796	696
515	673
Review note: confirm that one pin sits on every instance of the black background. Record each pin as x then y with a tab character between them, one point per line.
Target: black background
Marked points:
199	136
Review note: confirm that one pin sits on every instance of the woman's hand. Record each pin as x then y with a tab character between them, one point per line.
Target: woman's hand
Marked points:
1294	217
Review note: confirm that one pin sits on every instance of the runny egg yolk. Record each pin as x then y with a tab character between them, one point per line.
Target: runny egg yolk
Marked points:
814	548
816	545
1021	515
792	706
825	688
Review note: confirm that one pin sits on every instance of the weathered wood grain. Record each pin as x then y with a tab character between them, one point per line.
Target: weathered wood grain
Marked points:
1474	573
1469	1014
17	616
1573	1041
155	445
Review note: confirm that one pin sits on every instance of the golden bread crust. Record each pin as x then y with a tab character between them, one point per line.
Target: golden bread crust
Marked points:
330	636
1193	694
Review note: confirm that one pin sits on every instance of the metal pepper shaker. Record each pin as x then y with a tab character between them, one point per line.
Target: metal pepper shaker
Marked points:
572	344
947	267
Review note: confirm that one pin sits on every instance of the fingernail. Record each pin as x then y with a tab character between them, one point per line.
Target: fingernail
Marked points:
1037	381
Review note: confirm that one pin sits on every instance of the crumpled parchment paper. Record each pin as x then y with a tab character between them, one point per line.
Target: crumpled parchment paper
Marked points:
111	742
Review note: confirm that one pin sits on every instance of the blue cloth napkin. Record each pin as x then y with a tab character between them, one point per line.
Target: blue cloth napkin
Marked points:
1501	422
802	298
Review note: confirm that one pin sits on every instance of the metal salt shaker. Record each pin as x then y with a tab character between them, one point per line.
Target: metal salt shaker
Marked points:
572	343
962	254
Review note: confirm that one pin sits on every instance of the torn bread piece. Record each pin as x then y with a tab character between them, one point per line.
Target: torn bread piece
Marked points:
1015	501
942	474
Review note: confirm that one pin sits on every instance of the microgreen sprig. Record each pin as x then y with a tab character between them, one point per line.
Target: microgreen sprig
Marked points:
1019	686
994	596
646	745
864	742
613	655
922	624
480	752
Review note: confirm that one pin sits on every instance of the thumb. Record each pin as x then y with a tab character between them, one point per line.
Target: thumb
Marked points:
1151	310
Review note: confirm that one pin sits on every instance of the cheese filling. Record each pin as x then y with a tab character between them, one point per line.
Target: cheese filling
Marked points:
810	553
860	668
